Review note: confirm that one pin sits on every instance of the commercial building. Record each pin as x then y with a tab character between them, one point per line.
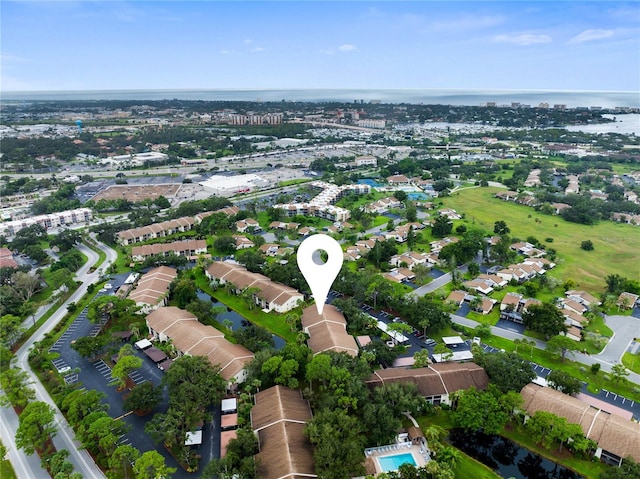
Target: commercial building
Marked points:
220	185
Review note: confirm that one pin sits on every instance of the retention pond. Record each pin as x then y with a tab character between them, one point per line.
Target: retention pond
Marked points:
238	321
508	459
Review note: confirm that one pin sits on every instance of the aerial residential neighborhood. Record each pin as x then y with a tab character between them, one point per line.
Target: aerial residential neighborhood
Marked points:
489	290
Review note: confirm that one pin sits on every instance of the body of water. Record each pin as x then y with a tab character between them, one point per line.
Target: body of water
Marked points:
571	99
623	124
239	322
507	458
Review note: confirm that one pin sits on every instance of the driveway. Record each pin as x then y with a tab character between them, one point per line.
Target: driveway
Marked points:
625	329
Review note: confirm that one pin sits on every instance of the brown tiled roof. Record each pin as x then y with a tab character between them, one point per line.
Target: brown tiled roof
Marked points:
156	228
310	316
457	296
435	379
277	404
237	275
163	318
153	286
328	336
192	337
161	248
328	332
285	452
279	418
6	259
612	433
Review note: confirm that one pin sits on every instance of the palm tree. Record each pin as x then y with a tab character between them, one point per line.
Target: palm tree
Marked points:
248	294
133	327
292	320
433	434
449	455
518	342
227	323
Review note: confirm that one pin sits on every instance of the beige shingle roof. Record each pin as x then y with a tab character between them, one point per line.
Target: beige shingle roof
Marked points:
612	433
436	379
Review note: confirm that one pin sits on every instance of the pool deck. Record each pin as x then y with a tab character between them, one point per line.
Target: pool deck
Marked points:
420	454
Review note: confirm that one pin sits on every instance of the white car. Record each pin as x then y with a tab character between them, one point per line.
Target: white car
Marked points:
476	340
108	286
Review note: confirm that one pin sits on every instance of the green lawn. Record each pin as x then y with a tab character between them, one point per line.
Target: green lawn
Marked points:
632	362
615	245
578	370
6	470
588	469
296	181
468	467
271	321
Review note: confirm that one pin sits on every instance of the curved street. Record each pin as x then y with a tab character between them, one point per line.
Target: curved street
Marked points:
625	329
28	467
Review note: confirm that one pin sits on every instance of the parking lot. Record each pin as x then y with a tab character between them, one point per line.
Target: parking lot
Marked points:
97	376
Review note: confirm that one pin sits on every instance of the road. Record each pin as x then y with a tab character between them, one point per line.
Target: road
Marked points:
83	463
609	356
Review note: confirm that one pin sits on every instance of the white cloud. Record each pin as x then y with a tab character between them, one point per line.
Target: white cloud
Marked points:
344	48
258	49
591	35
347	47
4	58
522	39
225	52
247	41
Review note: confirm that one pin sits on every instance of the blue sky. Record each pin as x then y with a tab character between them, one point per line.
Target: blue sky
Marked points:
516	45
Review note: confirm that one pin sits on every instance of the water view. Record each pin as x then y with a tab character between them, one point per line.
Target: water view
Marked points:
507	458
238	321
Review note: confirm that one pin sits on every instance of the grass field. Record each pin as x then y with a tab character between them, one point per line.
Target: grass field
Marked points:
615	245
632	362
6	471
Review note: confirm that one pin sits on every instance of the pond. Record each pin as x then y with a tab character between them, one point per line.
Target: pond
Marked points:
507	458
238	321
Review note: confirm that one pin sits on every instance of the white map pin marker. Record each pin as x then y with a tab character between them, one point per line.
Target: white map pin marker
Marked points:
319	275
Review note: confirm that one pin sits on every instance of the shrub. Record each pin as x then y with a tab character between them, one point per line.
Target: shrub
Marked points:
587	245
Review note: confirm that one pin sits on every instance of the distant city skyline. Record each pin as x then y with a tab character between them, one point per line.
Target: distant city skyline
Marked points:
516	45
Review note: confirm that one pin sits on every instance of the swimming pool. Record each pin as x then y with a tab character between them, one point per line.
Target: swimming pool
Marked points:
393	463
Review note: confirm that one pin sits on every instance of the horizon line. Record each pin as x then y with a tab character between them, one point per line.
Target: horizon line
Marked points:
523	90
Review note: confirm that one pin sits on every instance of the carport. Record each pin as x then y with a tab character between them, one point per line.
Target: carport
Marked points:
155	354
452	341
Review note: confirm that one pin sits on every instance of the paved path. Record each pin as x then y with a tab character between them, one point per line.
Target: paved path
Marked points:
65	438
432	286
625	328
